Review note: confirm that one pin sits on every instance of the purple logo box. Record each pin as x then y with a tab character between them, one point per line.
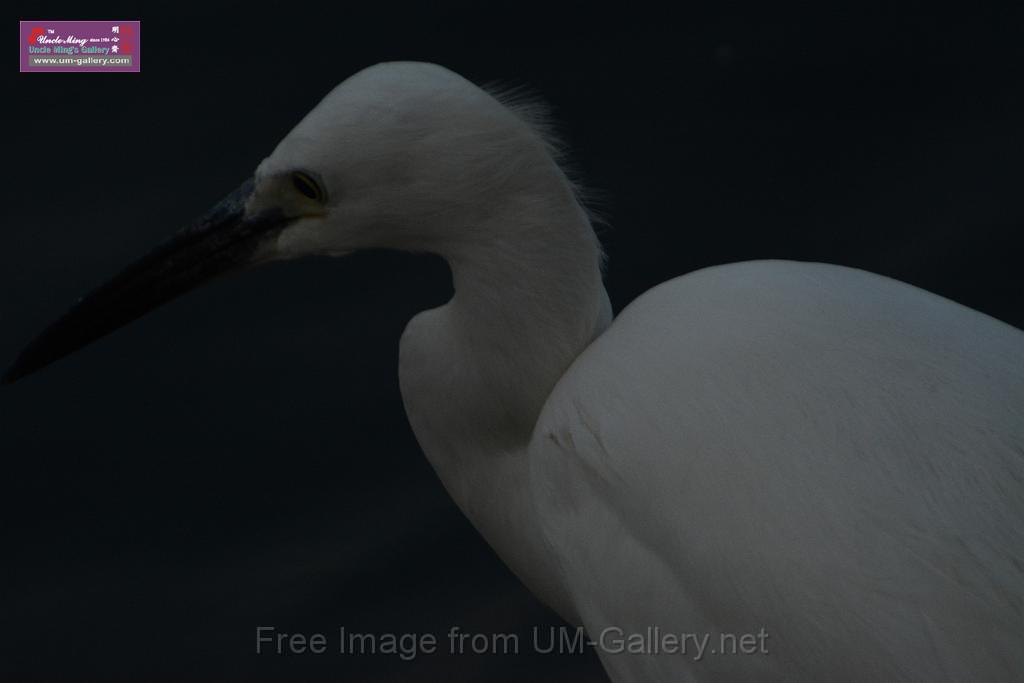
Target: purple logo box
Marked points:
78	46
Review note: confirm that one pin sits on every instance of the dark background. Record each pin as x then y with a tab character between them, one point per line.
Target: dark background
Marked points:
241	457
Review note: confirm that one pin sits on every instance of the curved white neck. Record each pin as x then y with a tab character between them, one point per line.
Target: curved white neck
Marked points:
476	372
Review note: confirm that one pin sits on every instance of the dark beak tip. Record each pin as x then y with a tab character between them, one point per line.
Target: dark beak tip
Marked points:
18	370
216	244
36	356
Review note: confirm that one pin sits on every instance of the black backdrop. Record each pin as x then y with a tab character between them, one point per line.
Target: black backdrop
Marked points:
241	458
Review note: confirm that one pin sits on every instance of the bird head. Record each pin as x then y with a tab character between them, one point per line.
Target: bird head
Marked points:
401	155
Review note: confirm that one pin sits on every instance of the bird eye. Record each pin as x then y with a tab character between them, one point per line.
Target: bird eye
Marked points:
305	184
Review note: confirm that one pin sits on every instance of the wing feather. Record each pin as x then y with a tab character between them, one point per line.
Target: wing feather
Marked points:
829	455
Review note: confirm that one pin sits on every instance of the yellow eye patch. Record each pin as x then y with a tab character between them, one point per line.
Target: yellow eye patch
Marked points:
307	186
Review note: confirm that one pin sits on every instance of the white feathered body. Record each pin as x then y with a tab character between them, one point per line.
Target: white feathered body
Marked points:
829	455
826	460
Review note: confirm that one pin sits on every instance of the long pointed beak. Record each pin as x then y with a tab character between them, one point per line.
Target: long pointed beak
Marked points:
224	240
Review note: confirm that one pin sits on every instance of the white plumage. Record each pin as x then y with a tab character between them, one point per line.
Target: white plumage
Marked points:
825	453
825	456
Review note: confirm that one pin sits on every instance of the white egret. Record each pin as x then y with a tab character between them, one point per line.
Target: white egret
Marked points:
821	463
